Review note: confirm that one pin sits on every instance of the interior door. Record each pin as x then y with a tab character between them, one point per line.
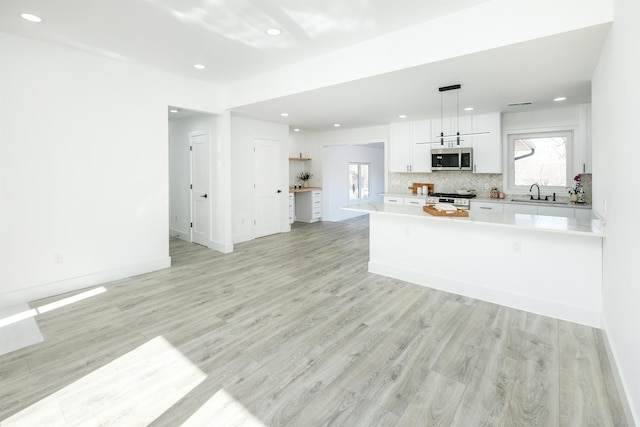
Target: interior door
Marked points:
200	183
267	187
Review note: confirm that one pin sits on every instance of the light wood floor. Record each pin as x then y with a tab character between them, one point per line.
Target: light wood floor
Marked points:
291	330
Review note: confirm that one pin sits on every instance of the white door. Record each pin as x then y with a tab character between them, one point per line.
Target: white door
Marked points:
267	187
200	182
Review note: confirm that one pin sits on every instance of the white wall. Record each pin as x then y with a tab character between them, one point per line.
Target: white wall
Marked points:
335	187
616	88
243	133
83	167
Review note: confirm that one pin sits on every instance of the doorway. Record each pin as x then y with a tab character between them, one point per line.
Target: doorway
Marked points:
191	197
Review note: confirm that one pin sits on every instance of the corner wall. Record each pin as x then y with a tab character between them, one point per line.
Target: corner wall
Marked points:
616	87
83	167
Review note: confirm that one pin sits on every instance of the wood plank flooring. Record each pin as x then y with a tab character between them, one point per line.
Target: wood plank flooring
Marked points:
291	330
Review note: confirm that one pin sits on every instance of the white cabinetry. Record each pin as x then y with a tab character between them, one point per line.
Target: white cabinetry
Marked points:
415	201
292	208
556	211
531	209
487	149
407	149
486	207
394	200
521	209
308	206
450	126
584	142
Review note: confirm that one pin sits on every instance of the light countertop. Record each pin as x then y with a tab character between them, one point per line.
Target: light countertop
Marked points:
303	189
543	223
510	200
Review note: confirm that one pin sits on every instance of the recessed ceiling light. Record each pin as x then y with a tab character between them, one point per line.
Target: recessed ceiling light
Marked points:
560	98
296	130
468	109
284	114
336	125
402	116
199	67
274	31
31	18
174	110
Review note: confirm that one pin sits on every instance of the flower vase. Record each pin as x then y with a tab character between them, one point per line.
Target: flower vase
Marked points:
573	198
305	184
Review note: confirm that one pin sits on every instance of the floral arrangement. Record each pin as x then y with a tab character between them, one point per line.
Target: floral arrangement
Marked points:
577	189
577	192
304	176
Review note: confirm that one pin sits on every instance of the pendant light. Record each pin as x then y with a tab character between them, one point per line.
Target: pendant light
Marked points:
457	135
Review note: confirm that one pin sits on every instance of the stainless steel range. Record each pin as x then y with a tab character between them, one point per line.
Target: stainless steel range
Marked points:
461	201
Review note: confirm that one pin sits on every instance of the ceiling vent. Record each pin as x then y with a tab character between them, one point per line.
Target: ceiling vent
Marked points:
519	104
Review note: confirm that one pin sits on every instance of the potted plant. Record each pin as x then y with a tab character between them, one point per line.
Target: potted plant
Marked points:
577	193
304	177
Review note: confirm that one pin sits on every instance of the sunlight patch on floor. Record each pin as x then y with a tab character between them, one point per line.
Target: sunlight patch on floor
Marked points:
134	389
222	410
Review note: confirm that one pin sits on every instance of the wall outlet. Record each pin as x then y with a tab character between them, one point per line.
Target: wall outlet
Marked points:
58	259
517	247
486	186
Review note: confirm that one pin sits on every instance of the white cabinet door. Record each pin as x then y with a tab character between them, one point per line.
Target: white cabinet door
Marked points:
420	152
584	140
556	211
407	149
394	200
521	209
400	147
412	201
486	207
487	149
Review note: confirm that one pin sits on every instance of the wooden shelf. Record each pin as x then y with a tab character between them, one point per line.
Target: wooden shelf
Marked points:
299	158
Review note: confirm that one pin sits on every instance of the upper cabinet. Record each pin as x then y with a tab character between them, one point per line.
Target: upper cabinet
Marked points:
450	126
487	148
409	150
584	141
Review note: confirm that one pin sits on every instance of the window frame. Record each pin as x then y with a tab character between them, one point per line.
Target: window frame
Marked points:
359	198
509	177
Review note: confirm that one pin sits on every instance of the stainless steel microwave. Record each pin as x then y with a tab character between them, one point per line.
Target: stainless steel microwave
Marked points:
452	159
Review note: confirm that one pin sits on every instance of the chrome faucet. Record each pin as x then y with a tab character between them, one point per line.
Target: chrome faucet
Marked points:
538	187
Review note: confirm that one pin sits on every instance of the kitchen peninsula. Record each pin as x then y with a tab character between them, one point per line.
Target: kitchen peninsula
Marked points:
542	264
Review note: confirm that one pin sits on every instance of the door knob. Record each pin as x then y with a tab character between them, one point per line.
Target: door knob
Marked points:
205	196
279	191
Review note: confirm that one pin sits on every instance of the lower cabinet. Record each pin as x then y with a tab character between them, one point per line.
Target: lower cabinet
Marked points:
414	201
486	207
531	209
292	208
308	206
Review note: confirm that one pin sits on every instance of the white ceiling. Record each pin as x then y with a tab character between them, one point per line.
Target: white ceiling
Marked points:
228	36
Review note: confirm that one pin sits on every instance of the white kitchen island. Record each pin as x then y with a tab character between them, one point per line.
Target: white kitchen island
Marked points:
541	264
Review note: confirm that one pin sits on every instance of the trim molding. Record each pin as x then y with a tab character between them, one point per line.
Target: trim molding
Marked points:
46	290
478	291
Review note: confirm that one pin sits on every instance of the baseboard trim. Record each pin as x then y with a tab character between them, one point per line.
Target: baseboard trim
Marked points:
620	383
478	291
50	289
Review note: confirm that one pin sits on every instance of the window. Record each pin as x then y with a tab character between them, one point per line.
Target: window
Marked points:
358	181
542	158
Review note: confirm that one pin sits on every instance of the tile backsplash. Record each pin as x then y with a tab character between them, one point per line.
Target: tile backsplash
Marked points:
450	181
446	181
